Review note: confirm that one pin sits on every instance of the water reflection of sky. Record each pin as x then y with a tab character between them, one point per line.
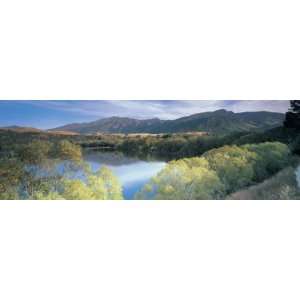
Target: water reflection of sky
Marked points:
298	176
132	173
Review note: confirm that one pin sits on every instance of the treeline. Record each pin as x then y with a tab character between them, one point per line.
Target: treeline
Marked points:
180	146
165	146
175	146
218	173
46	170
11	140
289	136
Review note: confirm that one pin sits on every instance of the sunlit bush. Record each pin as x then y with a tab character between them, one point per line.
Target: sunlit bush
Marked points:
217	173
46	170
233	166
99	185
184	179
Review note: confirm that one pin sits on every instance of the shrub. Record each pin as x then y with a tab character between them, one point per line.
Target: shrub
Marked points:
184	179
270	158
65	150
233	166
218	172
35	153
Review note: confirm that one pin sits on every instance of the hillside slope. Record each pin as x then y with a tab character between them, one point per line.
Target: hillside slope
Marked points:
220	121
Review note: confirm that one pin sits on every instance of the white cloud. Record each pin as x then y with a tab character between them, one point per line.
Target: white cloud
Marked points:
167	109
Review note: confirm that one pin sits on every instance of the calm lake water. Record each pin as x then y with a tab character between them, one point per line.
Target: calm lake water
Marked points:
133	173
298	175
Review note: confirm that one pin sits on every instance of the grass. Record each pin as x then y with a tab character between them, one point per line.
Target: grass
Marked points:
282	186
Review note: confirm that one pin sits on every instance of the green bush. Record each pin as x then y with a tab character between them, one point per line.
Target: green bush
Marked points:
184	179
233	166
269	159
33	173
217	173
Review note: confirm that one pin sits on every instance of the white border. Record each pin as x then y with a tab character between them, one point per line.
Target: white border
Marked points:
149	250
158	50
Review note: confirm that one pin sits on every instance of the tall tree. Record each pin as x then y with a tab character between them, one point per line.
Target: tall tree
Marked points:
292	117
295	106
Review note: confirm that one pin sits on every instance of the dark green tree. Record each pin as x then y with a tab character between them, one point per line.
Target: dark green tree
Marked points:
295	106
292	117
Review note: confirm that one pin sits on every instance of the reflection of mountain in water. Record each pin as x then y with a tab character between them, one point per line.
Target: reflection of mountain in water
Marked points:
109	158
133	173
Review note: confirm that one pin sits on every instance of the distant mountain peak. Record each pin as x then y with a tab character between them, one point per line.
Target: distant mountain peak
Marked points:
219	121
221	110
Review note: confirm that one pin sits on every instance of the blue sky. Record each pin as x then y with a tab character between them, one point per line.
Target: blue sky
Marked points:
50	114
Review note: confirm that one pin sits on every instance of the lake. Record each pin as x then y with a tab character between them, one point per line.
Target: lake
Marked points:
133	173
298	176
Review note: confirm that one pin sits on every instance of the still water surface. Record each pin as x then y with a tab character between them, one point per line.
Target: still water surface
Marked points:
133	173
298	176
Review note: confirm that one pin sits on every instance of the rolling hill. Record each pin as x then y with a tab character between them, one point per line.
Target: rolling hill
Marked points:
220	121
21	129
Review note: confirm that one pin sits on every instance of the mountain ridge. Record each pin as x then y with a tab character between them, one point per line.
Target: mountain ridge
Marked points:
219	121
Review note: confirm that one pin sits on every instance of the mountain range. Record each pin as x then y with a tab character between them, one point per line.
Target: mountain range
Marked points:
20	129
220	121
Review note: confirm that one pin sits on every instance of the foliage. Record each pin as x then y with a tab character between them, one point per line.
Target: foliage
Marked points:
175	146
111	184
218	172
66	150
269	159
292	117
283	185
295	106
31	164
99	185
35	152
295	145
184	179
11	173
46	170
233	166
